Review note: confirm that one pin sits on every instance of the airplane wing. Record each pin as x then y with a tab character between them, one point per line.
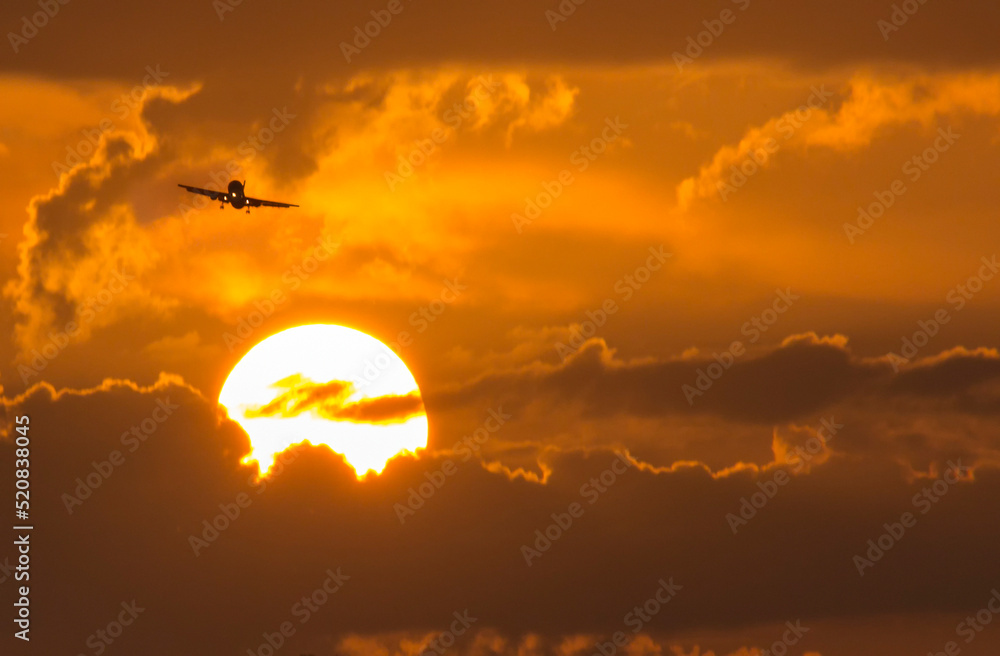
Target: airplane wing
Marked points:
214	195
256	202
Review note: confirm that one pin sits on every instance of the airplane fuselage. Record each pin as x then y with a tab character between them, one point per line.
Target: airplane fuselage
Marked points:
234	195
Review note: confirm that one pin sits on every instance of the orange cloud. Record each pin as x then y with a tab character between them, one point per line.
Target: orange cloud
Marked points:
871	105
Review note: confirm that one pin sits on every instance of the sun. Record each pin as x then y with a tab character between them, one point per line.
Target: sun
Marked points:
326	384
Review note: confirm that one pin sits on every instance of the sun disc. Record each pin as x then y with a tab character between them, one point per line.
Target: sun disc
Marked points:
326	384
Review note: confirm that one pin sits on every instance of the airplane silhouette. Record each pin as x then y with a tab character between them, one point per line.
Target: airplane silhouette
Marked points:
235	196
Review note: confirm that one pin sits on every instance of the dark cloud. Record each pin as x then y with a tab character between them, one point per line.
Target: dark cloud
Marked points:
956	374
381	409
329	400
302	395
799	378
792	560
192	40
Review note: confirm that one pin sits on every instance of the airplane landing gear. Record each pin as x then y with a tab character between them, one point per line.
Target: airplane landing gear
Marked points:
248	210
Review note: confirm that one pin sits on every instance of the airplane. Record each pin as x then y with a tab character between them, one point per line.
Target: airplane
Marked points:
235	196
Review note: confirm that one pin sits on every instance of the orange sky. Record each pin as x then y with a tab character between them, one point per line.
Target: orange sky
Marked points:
701	255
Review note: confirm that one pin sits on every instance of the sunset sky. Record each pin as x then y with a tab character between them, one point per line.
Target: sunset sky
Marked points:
700	299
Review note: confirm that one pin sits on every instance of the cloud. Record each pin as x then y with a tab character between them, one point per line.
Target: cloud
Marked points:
187	471
799	377
447	32
83	248
330	401
379	410
869	108
754	411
